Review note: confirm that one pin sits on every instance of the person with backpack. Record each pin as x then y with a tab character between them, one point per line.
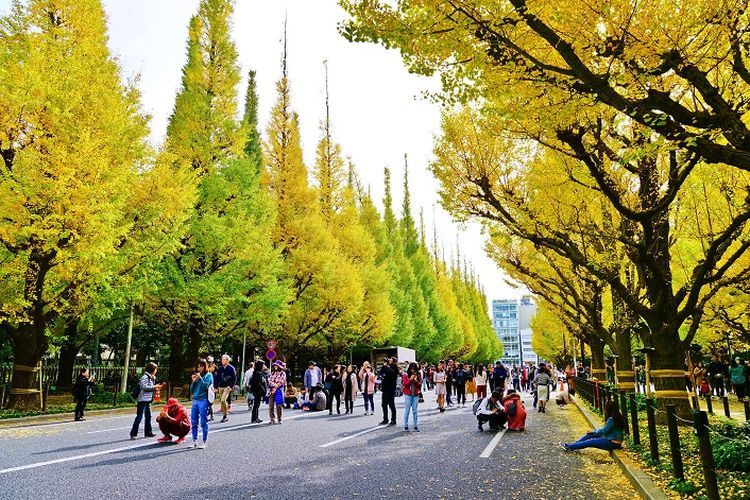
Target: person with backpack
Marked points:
490	410
148	386
82	392
541	382
608	437
389	374
459	379
258	389
412	384
202	392
737	376
515	411
439	378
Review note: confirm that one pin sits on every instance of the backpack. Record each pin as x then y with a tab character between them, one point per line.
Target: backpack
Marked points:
512	407
135	389
475	406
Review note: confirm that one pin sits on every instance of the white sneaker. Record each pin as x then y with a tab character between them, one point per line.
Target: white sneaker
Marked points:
202	445
193	443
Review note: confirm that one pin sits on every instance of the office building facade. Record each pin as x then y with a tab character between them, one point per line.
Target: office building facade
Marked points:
511	319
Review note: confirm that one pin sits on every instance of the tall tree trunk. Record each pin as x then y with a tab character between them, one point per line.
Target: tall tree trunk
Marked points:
668	373
29	344
623	348
192	345
598	368
68	354
176	358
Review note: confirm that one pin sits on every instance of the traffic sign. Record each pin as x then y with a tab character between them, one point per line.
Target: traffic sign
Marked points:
271	344
270	355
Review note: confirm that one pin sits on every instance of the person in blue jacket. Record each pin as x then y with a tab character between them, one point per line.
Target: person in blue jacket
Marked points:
608	437
203	381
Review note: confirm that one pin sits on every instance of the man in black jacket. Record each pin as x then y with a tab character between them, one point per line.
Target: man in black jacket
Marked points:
389	375
258	388
717	372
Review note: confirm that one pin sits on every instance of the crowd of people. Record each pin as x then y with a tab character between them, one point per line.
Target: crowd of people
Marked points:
719	377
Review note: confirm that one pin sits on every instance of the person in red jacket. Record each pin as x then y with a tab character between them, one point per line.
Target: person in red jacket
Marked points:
173	419
515	411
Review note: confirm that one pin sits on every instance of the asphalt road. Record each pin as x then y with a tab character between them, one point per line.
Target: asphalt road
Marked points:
311	456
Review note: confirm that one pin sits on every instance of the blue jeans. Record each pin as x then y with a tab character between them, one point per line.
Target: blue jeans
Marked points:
199	408
411	403
368	398
589	441
143	407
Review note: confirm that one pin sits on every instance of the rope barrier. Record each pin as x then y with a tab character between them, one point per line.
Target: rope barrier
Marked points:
742	441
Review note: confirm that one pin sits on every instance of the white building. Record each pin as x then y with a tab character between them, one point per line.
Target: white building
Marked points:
511	319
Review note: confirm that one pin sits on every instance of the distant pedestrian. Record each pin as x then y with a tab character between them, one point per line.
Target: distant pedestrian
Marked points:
82	392
412	382
201	390
471	386
608	437
439	378
367	384
312	377
515	376
148	385
350	389
459	378
542	381
333	381
276	385
499	375
173	420
258	388
449	383
246	385
212	371
225	378
738	376
389	373
480	379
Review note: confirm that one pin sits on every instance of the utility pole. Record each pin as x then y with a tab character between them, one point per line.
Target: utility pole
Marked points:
124	380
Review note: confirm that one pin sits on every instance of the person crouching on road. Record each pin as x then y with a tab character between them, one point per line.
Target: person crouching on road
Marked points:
173	419
412	384
515	411
145	397
317	401
203	380
276	385
82	392
608	437
489	410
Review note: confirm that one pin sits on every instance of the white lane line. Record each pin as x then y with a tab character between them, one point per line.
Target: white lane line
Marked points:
108	430
126	448
353	436
490	447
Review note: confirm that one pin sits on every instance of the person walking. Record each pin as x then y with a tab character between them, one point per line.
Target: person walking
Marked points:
212	371
515	376
350	389
246	385
449	382
459	379
542	381
225	377
82	392
471	387
439	378
258	388
480	379
412	382
336	387
525	378
367	384
201	390
312	377
276	385
148	385
738	376
388	376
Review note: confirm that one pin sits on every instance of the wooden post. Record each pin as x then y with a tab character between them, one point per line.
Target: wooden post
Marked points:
700	420
634	420
747	409
709	404
652	437
648	375
727	413
674	442
624	411
696	403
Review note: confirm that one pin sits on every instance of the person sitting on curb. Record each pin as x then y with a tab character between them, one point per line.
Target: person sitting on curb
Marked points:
317	401
515	410
489	410
173	419
608	437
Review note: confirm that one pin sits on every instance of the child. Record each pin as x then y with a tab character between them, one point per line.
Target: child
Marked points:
705	389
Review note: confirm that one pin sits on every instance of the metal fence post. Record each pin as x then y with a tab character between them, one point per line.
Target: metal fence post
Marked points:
674	443
634	419
652	437
707	458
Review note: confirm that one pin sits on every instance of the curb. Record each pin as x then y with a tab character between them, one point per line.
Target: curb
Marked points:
59	417
639	479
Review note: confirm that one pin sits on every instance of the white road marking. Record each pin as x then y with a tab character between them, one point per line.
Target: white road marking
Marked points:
352	436
131	447
490	447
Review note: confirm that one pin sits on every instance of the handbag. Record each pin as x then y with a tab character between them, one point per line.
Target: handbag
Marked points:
210	391
278	397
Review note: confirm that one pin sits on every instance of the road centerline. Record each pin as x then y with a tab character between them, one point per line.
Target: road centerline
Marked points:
492	444
352	436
